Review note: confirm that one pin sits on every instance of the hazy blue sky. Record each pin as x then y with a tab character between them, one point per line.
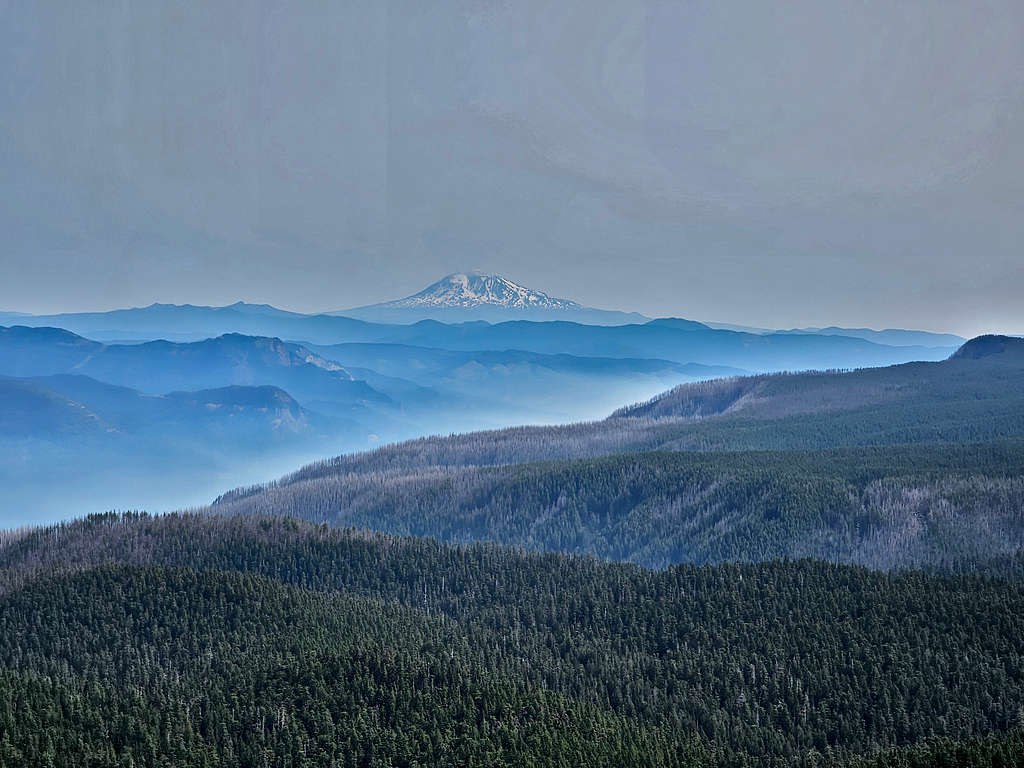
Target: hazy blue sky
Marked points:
780	164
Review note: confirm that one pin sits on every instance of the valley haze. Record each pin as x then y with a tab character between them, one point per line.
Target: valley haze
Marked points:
178	402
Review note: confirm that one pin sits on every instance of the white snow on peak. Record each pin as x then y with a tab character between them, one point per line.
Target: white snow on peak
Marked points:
474	289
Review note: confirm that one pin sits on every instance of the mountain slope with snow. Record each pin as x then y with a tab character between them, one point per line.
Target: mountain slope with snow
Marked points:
469	296
475	289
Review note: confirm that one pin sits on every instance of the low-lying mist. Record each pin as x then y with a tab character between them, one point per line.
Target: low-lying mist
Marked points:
46	482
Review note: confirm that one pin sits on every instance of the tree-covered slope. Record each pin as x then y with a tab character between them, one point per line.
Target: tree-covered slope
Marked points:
217	641
151	666
1003	750
969	398
986	368
917	465
943	506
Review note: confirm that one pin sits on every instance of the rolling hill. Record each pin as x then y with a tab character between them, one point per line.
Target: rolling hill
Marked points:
986	367
75	406
957	400
917	464
160	367
190	639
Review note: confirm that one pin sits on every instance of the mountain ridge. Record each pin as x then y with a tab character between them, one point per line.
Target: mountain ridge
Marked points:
959	402
160	367
114	410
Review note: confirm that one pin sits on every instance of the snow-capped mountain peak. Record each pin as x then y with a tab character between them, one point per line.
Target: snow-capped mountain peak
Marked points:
475	289
476	296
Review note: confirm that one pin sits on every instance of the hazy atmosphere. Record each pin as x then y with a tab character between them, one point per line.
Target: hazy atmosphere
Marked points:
776	165
502	383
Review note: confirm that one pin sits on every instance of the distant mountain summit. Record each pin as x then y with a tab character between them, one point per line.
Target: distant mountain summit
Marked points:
474	289
468	296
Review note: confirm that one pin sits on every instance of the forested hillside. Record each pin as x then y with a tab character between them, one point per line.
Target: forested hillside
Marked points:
254	641
917	465
985	368
943	506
